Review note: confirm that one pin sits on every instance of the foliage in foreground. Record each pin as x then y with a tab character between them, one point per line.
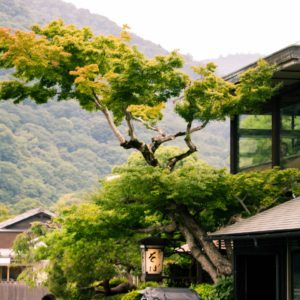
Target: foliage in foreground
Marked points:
204	290
83	251
90	243
222	290
133	295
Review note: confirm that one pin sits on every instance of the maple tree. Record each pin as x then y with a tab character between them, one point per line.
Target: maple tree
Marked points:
107	74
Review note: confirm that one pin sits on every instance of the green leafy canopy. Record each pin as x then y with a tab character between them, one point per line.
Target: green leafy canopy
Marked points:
105	71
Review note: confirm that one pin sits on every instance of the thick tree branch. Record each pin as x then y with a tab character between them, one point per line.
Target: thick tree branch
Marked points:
148	126
170	228
283	190
113	127
192	148
144	149
200	127
128	118
108	290
198	254
161	139
196	249
242	202
229	249
148	151
185	223
109	119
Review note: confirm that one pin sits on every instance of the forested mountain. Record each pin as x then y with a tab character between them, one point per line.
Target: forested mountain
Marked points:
57	148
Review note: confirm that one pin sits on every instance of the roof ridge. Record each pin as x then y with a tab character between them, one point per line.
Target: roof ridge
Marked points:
25	216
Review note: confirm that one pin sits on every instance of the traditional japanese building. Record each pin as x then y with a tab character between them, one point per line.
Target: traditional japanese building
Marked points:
9	230
271	137
266	260
266	253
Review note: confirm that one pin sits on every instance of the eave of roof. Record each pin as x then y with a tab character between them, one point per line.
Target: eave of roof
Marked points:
255	235
281	220
11	230
283	58
25	216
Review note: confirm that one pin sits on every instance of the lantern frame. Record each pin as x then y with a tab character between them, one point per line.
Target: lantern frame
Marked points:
152	255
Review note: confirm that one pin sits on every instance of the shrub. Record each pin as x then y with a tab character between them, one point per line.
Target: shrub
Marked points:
113	297
204	290
223	289
143	285
133	295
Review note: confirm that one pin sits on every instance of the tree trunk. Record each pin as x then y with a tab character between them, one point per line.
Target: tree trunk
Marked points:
205	252
119	289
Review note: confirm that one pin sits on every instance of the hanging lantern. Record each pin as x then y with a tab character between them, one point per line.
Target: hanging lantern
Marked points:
152	251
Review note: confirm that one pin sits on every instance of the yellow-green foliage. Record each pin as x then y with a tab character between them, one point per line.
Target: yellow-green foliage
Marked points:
204	290
133	295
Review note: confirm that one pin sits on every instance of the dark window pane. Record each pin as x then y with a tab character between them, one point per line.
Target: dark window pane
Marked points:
296	276
255	142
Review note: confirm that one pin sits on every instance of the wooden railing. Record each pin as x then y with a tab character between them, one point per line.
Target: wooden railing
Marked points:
19	291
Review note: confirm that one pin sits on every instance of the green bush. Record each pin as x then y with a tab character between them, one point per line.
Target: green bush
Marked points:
113	297
223	289
133	295
204	290
143	285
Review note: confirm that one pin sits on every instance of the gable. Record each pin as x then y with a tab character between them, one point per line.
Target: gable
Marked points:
23	221
26	223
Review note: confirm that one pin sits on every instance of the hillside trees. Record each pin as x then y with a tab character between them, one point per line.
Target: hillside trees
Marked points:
57	143
107	75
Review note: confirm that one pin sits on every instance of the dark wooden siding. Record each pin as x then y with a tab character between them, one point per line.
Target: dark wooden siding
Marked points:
259	247
7	239
25	224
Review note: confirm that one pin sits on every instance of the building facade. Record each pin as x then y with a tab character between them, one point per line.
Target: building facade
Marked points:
266	253
9	230
266	260
271	136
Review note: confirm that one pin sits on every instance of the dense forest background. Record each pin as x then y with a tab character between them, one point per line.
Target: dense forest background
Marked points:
47	151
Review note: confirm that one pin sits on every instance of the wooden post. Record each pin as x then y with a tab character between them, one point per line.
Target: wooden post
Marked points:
8	273
234	145
276	133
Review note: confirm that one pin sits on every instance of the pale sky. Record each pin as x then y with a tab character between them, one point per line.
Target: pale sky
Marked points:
207	28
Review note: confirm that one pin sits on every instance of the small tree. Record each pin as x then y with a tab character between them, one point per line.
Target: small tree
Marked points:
108	75
82	251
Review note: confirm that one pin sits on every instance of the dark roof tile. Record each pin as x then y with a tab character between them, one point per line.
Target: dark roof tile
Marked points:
281	218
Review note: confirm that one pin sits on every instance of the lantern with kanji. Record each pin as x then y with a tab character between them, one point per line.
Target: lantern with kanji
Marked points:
152	251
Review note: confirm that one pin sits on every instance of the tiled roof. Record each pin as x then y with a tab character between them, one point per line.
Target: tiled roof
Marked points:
25	216
282	218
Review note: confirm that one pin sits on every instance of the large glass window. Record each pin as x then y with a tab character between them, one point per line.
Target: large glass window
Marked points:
255	141
290	136
296	275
